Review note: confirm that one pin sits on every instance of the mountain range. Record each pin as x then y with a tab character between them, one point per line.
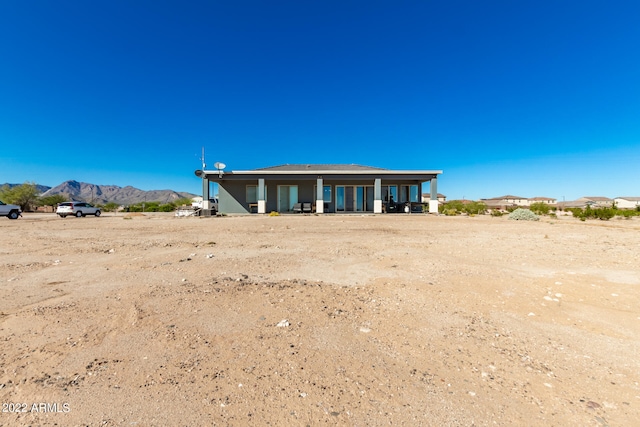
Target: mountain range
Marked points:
100	194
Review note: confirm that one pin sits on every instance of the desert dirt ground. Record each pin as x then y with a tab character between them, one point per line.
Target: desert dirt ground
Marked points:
153	320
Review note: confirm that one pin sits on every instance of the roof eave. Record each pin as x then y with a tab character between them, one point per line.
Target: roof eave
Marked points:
333	172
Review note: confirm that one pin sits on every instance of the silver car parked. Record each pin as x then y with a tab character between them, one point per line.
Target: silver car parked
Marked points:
78	209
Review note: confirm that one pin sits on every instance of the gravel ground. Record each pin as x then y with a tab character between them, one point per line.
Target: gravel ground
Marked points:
153	320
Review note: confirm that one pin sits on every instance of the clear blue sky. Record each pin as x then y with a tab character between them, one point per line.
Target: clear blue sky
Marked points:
532	98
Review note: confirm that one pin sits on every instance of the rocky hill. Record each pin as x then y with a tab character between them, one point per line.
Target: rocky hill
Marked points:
93	193
40	188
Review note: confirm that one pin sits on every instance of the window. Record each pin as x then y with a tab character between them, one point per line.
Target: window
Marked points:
252	193
409	193
389	193
326	193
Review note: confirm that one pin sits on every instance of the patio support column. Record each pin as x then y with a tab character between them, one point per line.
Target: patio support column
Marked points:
433	200
262	203
377	195
319	195
205	192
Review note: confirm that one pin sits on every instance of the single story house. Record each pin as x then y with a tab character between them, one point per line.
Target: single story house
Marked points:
320	188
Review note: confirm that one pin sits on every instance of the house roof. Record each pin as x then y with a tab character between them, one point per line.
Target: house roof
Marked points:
631	199
595	198
313	171
507	197
319	167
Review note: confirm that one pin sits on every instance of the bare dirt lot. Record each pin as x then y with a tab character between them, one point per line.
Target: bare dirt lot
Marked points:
351	320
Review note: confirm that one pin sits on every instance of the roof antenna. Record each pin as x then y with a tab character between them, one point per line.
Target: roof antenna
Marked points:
204	165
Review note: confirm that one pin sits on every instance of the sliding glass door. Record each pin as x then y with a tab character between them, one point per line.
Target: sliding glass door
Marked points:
287	197
354	198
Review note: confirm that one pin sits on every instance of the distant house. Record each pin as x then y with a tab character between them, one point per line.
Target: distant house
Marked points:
510	201
504	202
545	200
627	202
595	201
320	188
441	198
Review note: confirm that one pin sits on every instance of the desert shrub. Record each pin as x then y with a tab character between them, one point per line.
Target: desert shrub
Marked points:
145	207
540	208
475	208
523	215
454	205
110	207
628	213
184	201
604	214
167	207
496	212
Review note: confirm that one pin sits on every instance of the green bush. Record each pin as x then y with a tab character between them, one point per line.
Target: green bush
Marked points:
110	207
523	215
475	208
540	208
456	207
603	214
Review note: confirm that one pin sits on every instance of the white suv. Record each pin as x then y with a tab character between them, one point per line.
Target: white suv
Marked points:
10	211
78	209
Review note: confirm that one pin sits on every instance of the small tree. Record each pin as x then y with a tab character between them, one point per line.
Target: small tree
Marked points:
53	200
24	195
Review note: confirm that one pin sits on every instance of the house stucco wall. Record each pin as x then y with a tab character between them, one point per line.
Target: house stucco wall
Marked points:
623	203
233	194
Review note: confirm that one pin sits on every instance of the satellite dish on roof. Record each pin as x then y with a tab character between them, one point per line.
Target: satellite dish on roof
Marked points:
219	166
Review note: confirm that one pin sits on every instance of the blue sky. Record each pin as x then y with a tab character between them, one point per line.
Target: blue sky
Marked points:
532	98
